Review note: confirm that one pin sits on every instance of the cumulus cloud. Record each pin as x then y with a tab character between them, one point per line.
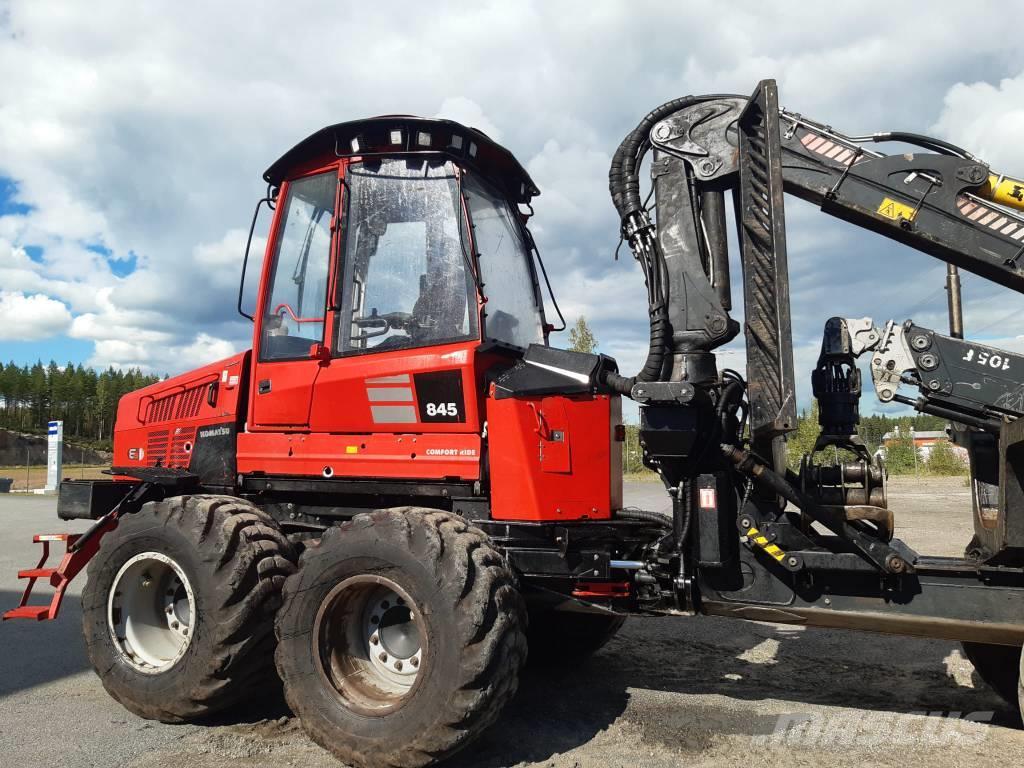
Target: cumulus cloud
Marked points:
31	317
133	133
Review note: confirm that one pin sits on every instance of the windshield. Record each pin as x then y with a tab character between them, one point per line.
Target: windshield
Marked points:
405	280
512	311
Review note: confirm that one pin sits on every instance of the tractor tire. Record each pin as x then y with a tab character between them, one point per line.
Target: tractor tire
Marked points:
401	637
563	637
178	611
1000	667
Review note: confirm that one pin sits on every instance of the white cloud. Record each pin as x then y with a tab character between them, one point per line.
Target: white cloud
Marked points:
31	317
988	120
131	128
468	112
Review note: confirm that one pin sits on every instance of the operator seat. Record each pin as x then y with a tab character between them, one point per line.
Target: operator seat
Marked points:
441	306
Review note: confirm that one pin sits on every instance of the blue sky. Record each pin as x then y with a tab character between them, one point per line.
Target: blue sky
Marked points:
132	142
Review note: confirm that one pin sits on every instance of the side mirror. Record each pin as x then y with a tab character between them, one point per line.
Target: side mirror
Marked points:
269	200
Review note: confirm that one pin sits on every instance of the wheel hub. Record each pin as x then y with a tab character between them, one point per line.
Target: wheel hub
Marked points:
393	639
371	643
149	612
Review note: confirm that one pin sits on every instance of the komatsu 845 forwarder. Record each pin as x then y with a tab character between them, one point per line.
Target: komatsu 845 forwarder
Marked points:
402	486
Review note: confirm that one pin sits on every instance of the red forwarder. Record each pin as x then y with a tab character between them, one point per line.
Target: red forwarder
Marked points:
398	295
401	485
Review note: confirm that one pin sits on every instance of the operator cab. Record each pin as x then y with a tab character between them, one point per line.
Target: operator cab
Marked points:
398	253
428	209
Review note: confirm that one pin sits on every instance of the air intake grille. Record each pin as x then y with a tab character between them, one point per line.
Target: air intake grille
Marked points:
180	405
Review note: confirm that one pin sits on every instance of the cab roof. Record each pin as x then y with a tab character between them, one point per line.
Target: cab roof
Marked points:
406	134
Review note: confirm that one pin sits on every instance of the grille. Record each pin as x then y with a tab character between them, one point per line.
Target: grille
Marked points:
180	405
170	450
181	447
157	444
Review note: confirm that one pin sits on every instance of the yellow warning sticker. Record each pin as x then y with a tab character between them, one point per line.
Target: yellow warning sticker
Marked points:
895	210
351	449
762	541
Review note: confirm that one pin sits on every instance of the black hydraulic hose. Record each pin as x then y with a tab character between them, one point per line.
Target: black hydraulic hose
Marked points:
927	142
645	515
623	176
637	229
732	389
651	371
682	513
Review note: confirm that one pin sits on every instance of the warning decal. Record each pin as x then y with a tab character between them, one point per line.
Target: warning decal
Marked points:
895	210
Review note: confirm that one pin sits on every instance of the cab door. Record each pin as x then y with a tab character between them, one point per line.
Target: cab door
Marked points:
293	322
407	320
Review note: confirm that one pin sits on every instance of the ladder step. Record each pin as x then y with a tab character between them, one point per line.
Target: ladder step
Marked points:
37	573
37	612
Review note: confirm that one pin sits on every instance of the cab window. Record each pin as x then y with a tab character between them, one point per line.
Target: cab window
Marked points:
406	282
513	308
293	318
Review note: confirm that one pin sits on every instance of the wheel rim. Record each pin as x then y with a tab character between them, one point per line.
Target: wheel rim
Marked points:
150	612
370	641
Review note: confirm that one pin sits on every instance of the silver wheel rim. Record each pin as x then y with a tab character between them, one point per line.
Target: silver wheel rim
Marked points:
370	642
150	611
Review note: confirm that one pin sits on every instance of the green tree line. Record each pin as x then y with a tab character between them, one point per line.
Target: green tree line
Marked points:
86	401
900	456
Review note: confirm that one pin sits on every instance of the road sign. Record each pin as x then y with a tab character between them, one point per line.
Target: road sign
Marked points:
54	454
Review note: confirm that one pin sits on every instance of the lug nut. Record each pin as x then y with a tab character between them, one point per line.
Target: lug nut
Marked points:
398	666
414	661
383	657
374	640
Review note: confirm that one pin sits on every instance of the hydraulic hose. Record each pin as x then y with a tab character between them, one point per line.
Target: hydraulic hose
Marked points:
638	230
645	516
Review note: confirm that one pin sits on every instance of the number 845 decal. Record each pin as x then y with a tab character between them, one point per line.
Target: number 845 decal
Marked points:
987	359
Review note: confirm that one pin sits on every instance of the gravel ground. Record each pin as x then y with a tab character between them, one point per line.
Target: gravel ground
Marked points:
698	691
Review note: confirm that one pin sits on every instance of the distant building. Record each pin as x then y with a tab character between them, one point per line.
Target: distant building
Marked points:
924	441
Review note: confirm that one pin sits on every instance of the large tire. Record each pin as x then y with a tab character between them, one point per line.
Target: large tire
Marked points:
1000	667
228	562
561	637
455	602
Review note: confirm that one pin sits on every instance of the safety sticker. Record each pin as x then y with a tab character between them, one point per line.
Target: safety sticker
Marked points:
895	210
761	540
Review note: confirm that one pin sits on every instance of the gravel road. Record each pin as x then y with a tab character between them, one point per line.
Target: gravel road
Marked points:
697	691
